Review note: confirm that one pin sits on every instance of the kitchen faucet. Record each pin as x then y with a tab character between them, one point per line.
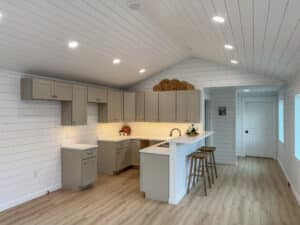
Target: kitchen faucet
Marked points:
171	132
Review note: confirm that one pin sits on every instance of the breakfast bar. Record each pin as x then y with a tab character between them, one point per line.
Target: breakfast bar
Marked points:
165	167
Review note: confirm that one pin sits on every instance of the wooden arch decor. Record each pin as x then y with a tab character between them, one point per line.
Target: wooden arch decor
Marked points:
173	85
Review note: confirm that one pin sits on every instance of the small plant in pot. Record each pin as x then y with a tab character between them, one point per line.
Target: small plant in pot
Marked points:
192	131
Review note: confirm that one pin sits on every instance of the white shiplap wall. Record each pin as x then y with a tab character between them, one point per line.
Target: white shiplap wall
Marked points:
30	139
224	126
286	150
204	74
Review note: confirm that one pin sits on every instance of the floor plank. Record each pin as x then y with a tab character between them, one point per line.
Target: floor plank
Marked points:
253	192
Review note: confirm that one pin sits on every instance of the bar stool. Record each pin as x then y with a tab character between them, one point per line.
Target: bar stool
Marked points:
212	163
198	167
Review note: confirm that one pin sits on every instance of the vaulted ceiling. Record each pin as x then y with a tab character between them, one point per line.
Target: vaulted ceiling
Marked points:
34	35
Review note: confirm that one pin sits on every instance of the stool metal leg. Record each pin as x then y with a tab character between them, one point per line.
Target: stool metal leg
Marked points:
211	163
195	172
204	179
208	175
190	175
213	156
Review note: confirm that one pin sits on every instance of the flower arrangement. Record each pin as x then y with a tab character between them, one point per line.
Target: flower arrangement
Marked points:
192	131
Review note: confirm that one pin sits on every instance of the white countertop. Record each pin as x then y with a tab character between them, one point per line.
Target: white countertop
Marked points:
154	149
79	147
179	139
124	138
190	140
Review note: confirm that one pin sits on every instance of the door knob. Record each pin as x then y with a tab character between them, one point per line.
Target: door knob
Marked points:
246	131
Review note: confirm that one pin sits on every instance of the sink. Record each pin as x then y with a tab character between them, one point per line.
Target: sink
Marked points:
164	145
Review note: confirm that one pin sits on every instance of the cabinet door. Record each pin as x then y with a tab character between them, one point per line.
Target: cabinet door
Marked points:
182	106
134	147
151	106
167	106
114	106
79	105
63	91
89	171
97	95
129	106
140	106
188	106
42	89
194	106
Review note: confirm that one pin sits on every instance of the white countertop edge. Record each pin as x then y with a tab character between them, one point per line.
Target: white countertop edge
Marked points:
190	140
125	138
154	149
79	146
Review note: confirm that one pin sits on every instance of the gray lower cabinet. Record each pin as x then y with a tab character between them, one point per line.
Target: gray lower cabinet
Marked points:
79	168
75	112
154	176
44	89
113	157
97	94
134	146
140	106
151	106
167	106
129	106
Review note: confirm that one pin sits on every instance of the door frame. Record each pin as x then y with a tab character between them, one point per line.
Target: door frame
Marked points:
272	99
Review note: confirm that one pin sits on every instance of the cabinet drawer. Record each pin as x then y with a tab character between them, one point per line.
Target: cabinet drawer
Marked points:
89	153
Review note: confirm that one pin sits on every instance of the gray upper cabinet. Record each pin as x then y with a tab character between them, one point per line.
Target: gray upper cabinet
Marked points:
36	89
129	106
151	106
97	94
182	106
188	106
114	105
63	91
140	106
43	89
167	106
75	112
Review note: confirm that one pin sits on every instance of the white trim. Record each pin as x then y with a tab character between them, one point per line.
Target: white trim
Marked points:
294	191
29	197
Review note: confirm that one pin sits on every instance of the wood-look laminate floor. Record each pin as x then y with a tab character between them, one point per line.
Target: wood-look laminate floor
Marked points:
255	192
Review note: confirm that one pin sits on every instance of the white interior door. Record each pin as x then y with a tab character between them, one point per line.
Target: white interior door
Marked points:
259	127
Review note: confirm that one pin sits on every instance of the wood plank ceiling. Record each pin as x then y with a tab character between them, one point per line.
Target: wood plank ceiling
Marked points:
34	35
265	33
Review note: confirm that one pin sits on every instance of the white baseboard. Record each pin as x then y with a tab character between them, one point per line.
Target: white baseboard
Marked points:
26	198
296	194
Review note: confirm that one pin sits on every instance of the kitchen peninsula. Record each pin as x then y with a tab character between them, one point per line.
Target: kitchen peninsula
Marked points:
164	167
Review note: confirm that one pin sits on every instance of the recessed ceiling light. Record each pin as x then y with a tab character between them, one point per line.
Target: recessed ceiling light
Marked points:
134	4
233	61
143	70
116	61
73	44
218	19
246	90
228	47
